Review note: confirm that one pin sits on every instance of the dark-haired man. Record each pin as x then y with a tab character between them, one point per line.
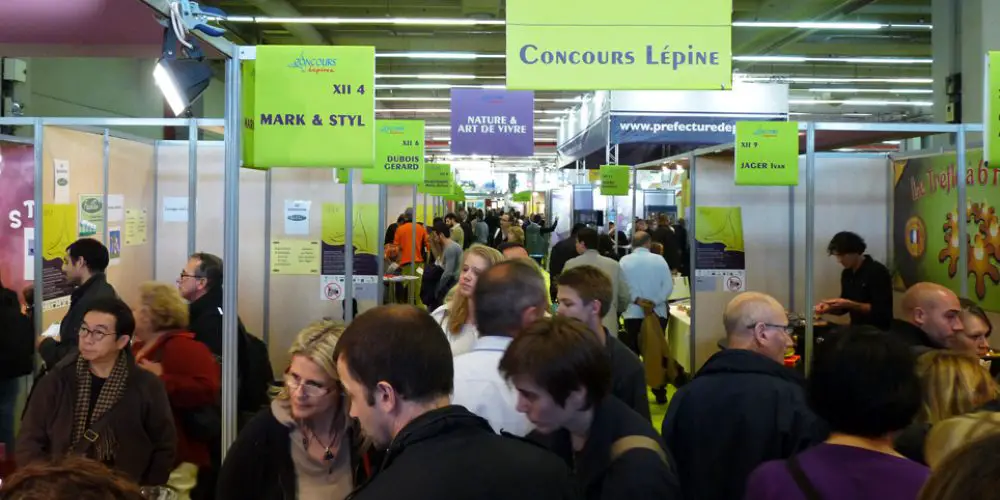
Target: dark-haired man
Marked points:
585	295
84	265
397	371
511	295
562	376
587	241
865	284
562	252
457	232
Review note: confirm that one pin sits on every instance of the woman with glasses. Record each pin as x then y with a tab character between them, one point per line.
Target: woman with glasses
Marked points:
164	347
101	405
305	446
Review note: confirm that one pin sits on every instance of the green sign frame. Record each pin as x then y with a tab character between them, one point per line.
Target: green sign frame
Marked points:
767	154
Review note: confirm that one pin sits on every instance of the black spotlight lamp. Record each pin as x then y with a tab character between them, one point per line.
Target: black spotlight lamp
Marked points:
181	80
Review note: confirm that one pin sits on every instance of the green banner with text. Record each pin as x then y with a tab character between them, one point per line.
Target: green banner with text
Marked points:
437	179
614	180
767	154
622	45
993	106
312	106
399	153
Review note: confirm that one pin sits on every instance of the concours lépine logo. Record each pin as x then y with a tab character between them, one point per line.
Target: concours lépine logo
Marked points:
392	129
307	64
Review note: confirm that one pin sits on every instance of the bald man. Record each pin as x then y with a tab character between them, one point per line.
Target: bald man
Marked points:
513	251
930	318
743	407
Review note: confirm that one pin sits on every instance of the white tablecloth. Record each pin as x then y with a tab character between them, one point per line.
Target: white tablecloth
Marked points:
679	336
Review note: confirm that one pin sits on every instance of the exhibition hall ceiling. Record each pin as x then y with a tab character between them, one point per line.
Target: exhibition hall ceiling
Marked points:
833	73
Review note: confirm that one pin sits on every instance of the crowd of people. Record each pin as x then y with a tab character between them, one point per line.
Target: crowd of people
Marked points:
525	380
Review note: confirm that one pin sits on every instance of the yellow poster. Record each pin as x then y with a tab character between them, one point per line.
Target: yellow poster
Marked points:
364	239
58	230
295	257
135	227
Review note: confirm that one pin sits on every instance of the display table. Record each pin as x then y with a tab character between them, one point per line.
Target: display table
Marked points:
681	290
407	282
679	336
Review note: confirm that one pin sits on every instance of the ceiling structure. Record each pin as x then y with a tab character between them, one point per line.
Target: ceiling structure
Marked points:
875	70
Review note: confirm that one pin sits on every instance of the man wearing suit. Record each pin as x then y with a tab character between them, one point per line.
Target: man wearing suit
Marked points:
587	241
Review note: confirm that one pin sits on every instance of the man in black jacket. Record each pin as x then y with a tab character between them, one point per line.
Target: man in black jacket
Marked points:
585	294
742	408
562	252
396	368
562	376
84	265
930	317
200	283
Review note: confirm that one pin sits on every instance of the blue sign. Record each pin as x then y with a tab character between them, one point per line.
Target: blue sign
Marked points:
679	129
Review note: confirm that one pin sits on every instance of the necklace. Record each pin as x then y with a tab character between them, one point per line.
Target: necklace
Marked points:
308	435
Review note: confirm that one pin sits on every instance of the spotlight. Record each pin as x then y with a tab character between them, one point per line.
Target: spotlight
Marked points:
181	80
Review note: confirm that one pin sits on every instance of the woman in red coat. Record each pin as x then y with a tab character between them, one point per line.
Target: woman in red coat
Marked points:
165	347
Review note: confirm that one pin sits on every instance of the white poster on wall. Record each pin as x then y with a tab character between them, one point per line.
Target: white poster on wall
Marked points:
116	207
297	216
175	209
332	287
29	254
61	168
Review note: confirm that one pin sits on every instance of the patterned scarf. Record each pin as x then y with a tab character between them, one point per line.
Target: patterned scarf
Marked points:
111	392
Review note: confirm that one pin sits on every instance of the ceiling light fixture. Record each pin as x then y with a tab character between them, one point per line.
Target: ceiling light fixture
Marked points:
433	86
447	110
808	79
845	60
834	90
809	25
860	102
438	55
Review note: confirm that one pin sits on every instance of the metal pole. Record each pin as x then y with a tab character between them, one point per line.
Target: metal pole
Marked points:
39	195
411	290
107	186
635	187
231	253
349	248
791	249
193	191
963	244
810	235
692	266
267	258
380	260
156	203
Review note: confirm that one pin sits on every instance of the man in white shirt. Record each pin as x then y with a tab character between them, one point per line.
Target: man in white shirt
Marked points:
649	278
508	296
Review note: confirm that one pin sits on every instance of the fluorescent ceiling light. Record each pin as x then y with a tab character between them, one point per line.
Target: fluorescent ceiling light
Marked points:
438	55
433	86
870	91
414	99
840	114
861	102
181	81
537	139
431	76
447	110
845	60
399	21
808	25
809	79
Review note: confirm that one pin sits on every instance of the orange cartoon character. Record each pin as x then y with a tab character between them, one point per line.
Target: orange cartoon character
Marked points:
980	266
951	249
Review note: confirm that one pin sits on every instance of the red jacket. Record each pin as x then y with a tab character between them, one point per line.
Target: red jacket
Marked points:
192	379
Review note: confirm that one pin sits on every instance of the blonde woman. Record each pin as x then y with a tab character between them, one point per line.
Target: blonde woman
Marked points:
456	316
305	445
952	384
515	235
165	347
951	434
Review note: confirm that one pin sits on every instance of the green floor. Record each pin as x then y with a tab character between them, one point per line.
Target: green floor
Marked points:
657	411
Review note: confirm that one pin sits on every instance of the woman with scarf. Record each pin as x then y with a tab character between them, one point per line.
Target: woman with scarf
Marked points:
101	405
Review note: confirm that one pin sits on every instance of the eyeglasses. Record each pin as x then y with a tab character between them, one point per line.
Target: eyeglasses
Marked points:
97	335
186	275
788	329
310	389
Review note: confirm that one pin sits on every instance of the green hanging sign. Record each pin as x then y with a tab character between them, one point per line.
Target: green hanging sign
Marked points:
457	193
311	106
437	179
614	180
767	154
399	153
621	45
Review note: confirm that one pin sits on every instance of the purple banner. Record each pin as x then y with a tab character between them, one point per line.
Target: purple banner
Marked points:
492	122
17	203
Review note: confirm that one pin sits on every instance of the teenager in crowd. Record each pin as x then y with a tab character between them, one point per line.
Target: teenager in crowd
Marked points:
457	317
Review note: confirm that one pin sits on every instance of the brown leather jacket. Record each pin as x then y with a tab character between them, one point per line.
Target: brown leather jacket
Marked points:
142	422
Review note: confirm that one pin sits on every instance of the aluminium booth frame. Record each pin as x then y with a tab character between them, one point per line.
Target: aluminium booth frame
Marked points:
810	129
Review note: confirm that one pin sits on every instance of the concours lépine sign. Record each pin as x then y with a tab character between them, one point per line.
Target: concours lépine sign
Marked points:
621	45
309	106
